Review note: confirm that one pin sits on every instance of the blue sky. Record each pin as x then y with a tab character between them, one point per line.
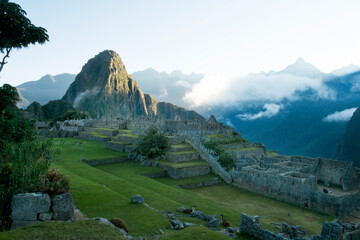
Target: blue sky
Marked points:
223	39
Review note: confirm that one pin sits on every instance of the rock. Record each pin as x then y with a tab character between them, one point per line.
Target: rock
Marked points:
137	199
181	209
331	230
161	231
172	216
63	207
21	223
123	231
232	230
197	214
26	206
214	222
45	216
208	217
103	221
292	231
176	224
188	224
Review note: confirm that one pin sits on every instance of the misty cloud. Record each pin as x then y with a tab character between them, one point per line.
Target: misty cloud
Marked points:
271	110
263	87
183	83
342	116
87	93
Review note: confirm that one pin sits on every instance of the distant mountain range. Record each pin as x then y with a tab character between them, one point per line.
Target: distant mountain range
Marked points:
45	89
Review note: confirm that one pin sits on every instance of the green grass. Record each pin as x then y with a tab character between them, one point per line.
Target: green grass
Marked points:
182	145
243	149
106	191
271	153
128	135
56	230
183	164
118	142
95	128
185	181
125	130
184	152
97	134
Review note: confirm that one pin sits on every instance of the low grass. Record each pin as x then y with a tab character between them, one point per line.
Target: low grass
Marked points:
184	152
183	164
185	181
95	128
128	135
183	145
78	230
97	134
272	153
106	191
243	149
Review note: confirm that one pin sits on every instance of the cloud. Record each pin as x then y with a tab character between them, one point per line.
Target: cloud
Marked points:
87	93
271	110
342	116
183	83
164	93
262	87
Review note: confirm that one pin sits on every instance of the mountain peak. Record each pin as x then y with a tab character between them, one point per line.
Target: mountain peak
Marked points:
351	68
302	68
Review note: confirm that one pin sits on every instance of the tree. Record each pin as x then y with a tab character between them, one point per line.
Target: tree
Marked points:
16	30
8	97
153	144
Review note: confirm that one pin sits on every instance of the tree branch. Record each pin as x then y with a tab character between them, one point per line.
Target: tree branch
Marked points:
3	60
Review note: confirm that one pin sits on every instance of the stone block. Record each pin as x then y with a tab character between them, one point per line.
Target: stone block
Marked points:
22	223
26	206
137	199
45	216
63	207
331	230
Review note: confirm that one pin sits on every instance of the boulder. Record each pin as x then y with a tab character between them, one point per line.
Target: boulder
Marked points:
181	209
137	199
26	206
214	222
45	216
198	214
63	207
176	224
188	224
232	230
103	221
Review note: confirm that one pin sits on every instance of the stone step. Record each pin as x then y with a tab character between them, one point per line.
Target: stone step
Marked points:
91	129
176	139
109	132
93	137
186	156
180	148
128	138
177	171
120	146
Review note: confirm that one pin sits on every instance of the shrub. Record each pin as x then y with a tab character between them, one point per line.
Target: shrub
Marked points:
226	160
214	146
54	182
153	144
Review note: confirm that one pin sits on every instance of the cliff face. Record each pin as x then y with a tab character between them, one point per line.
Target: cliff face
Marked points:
105	90
349	149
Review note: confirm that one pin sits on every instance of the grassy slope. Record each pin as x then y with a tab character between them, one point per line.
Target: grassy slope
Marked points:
79	230
106	191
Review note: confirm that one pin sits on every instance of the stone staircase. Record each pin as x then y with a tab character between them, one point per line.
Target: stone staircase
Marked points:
353	217
182	160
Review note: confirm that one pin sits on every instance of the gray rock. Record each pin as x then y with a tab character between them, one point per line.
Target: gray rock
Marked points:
172	216
45	216
232	230
161	231
21	223
188	224
123	231
331	230
137	199
63	207
214	222
198	214
26	206
181	209
176	224
208	217
103	221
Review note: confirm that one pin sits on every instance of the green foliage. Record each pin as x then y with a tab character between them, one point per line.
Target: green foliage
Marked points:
214	146
69	115
153	144
24	156
54	182
57	108
16	30
226	160
8	96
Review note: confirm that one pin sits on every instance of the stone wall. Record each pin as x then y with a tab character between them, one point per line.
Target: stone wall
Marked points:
33	208
97	162
334	172
177	173
251	226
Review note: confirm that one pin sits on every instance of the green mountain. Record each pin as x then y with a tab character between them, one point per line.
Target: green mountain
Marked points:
50	111
105	90
349	148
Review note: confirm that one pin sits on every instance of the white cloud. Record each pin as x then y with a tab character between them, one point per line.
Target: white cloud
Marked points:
87	93
183	83
163	93
263	87
271	110
341	116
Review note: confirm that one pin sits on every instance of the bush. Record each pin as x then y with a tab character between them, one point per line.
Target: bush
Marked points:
226	160
153	144
54	182
214	146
